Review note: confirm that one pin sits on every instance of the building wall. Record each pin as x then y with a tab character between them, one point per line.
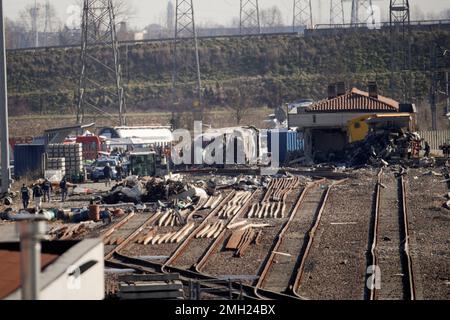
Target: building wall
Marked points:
321	120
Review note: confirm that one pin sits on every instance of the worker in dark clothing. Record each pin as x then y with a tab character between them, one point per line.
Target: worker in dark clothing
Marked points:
37	196
25	194
107	172
64	189
427	150
47	188
119	170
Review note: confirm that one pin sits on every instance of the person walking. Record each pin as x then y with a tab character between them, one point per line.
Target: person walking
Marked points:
47	188
37	197
107	172
64	189
25	194
427	149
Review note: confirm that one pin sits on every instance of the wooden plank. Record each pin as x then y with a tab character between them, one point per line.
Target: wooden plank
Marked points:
234	240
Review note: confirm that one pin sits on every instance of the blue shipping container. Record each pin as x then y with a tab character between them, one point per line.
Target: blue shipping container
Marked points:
290	141
28	159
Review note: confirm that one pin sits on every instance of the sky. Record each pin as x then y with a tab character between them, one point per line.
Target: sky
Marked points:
223	11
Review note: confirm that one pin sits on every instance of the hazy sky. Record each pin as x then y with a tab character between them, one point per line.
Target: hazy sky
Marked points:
223	11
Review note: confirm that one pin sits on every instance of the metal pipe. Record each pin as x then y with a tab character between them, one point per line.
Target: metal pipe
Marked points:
4	131
31	233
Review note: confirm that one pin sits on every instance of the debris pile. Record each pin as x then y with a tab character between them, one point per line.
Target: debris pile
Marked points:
380	147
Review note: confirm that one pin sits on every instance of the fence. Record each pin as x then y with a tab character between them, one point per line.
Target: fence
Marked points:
435	138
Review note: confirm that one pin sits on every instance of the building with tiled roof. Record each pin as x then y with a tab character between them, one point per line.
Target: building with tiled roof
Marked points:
324	123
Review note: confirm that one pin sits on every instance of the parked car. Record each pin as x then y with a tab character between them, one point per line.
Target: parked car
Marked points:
97	169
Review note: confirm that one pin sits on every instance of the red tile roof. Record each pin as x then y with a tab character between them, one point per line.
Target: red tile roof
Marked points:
355	101
10	270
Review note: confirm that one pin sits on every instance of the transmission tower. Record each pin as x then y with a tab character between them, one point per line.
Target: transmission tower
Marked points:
249	22
362	12
337	12
302	14
100	86
186	61
400	43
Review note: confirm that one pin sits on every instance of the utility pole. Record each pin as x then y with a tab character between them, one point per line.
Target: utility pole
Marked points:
337	12
98	30
400	43
249	22
434	85
447	100
303	16
186	64
6	174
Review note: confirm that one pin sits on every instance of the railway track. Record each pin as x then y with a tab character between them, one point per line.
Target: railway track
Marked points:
282	194
192	249
215	245
187	276
122	233
390	243
281	269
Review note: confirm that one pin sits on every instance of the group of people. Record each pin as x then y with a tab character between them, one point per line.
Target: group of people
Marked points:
108	173
41	192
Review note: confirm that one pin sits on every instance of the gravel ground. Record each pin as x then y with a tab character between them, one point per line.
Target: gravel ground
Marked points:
430	234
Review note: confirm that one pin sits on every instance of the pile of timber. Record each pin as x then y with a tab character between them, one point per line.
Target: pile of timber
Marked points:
170	219
278	188
152	237
158	286
241	239
267	210
211	231
212	202
234	205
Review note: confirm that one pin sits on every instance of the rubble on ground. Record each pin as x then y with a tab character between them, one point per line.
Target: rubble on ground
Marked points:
381	147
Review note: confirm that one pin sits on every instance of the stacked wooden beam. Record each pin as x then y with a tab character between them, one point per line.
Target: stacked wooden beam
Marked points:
152	237
212	230
234	205
267	210
240	240
170	218
212	202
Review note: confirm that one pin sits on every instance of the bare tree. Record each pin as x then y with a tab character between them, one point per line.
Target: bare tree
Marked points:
271	17
239	102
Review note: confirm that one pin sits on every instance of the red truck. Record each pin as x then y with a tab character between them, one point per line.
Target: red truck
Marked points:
92	146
